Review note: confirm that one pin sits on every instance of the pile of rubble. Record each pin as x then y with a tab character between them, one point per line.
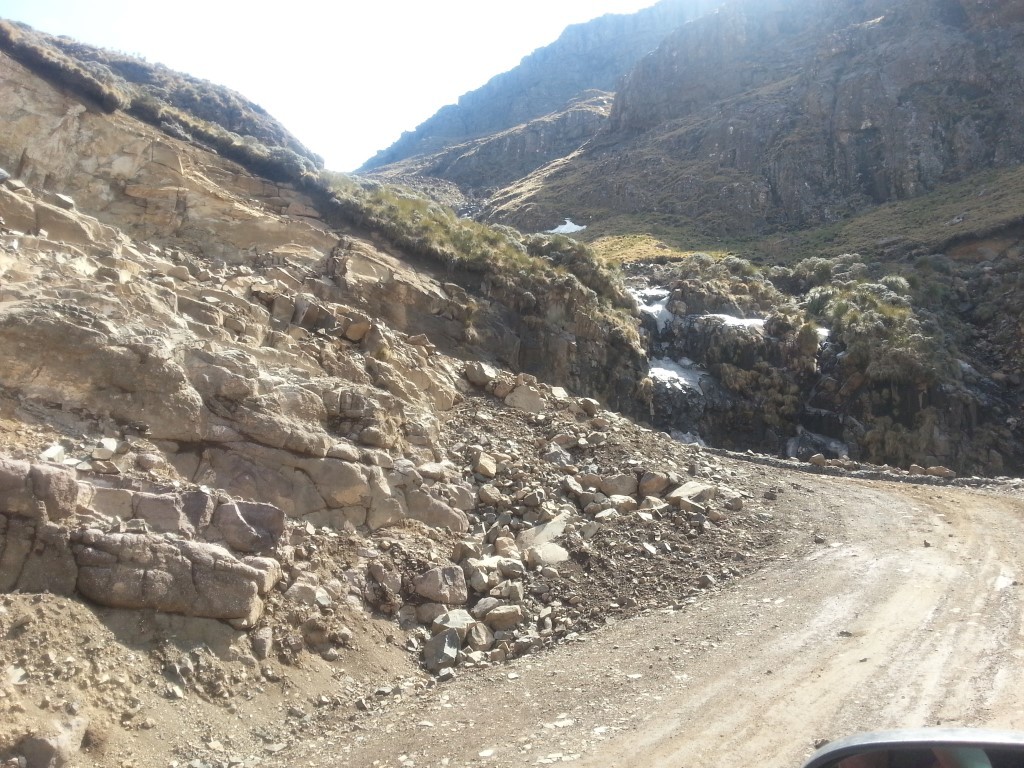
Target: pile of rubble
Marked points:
914	470
548	506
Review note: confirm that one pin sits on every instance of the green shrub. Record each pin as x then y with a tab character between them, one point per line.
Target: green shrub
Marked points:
881	332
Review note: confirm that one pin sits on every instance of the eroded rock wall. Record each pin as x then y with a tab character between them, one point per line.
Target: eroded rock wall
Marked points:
132	550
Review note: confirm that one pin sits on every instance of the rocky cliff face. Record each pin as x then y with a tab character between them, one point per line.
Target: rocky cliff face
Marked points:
211	364
479	167
790	114
840	358
154	187
587	56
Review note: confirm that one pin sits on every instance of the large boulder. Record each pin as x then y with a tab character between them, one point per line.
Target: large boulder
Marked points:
56	745
434	512
444	584
126	570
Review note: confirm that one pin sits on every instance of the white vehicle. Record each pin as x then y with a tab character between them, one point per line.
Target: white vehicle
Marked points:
924	748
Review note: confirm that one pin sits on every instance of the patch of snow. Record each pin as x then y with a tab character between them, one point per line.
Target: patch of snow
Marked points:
966	368
823	334
679	375
566	229
688	438
651	295
754	322
653	302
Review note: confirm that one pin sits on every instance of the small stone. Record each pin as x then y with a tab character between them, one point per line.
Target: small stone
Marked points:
734	504
619	485
442	650
505	617
489	495
692	491
484	605
653	484
546	554
446	585
54	453
175	692
480	374
485	465
262	641
480	637
526	398
459	620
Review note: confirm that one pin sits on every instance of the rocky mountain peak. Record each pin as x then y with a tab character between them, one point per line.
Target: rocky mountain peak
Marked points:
592	55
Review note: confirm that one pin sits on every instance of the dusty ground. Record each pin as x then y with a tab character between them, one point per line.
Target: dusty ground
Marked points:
908	614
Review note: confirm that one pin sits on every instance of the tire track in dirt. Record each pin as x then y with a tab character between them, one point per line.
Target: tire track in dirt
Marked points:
897	634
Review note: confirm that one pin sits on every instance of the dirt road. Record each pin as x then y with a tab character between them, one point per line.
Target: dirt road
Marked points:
909	614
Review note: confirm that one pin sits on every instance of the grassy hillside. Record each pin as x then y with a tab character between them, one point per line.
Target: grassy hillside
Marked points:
977	208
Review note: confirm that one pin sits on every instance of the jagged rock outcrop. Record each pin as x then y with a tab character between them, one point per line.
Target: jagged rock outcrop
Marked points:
180	105
208	211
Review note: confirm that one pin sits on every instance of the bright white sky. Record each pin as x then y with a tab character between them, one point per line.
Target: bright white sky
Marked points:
345	76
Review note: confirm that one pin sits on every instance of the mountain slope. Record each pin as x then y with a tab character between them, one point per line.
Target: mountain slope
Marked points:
590	56
789	114
279	445
472	170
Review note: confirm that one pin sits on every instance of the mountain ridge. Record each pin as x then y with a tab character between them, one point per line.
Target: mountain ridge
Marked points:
587	56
